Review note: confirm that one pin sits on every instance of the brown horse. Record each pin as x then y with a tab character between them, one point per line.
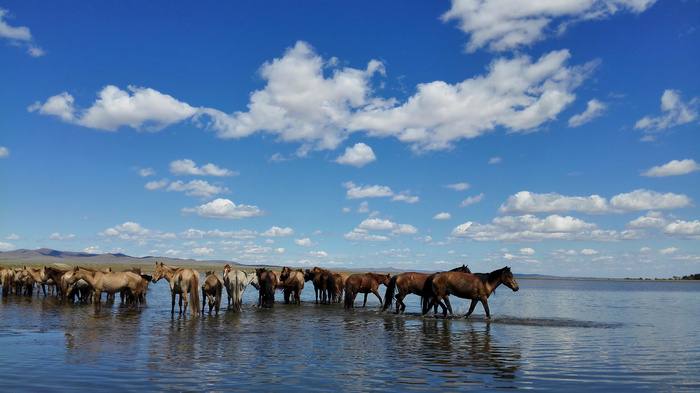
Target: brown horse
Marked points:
267	279
363	283
110	283
476	287
292	282
340	279
182	281
324	283
410	282
212	287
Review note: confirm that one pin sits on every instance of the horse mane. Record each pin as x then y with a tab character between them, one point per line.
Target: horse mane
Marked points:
490	277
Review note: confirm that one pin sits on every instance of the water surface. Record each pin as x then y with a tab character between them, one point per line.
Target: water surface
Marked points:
551	335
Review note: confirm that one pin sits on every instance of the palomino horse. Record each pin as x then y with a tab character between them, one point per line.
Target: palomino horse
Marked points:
236	281
212	287
340	279
182	281
7	277
476	287
108	282
267	280
363	283
410	282
292	282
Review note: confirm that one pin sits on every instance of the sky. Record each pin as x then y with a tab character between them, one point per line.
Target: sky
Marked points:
557	138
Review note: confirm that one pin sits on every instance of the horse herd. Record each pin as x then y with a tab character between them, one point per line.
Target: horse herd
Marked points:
329	287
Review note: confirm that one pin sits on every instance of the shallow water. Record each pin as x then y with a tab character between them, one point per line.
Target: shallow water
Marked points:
551	335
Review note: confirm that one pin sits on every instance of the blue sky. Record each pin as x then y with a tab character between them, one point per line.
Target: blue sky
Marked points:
553	137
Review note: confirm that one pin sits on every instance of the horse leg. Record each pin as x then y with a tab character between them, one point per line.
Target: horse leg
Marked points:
183	297
376	293
449	306
365	302
399	303
172	309
471	308
486	307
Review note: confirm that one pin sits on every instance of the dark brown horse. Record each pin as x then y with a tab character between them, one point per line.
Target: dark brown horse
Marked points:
267	280
324	283
410	282
476	287
363	283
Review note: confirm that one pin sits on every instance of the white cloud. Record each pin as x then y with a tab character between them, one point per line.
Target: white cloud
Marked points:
442	216
528	202
495	160
673	168
594	109
510	24
358	155
305	242
516	94
276	231
197	188
6	246
300	104
527	251
528	228
588	251
669	250
532	203
188	167
58	236
93	250
362	235
472	200
4	152
139	108
685	229
377	224
459	186
405	196
650	220
156	185
12	237
224	209
357	192
20	36
676	113
145	172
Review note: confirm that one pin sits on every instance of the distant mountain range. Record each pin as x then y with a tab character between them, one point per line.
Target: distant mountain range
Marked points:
45	255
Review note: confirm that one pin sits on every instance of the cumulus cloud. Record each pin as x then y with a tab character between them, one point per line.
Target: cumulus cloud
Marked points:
225	209
518	94
442	216
58	236
358	155
378	224
527	251
157	185
510	24
188	167
673	168
4	246
276	231
532	203
684	229
140	108
472	200
594	109
529	228
459	186
305	242
198	188
676	113
299	103
4	152
650	220
19	36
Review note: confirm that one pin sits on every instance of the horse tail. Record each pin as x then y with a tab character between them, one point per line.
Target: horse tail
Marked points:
428	294
389	296
269	291
237	295
194	294
331	288
349	299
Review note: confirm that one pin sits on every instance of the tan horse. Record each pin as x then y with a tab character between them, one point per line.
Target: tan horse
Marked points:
363	283
340	279
407	283
236	281
212	287
477	287
110	283
182	281
7	278
292	284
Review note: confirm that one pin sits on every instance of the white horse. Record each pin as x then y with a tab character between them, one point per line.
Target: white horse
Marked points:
236	281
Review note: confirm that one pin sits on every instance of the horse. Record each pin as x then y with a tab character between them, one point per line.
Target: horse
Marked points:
324	283
363	283
7	277
292	282
236	281
410	282
212	286
107	282
182	281
268	283
55	275
476	287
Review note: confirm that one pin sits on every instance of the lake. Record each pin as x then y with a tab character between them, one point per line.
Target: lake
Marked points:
552	335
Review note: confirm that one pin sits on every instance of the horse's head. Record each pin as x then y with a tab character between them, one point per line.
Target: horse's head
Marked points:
227	269
286	271
255	282
309	275
158	273
508	280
